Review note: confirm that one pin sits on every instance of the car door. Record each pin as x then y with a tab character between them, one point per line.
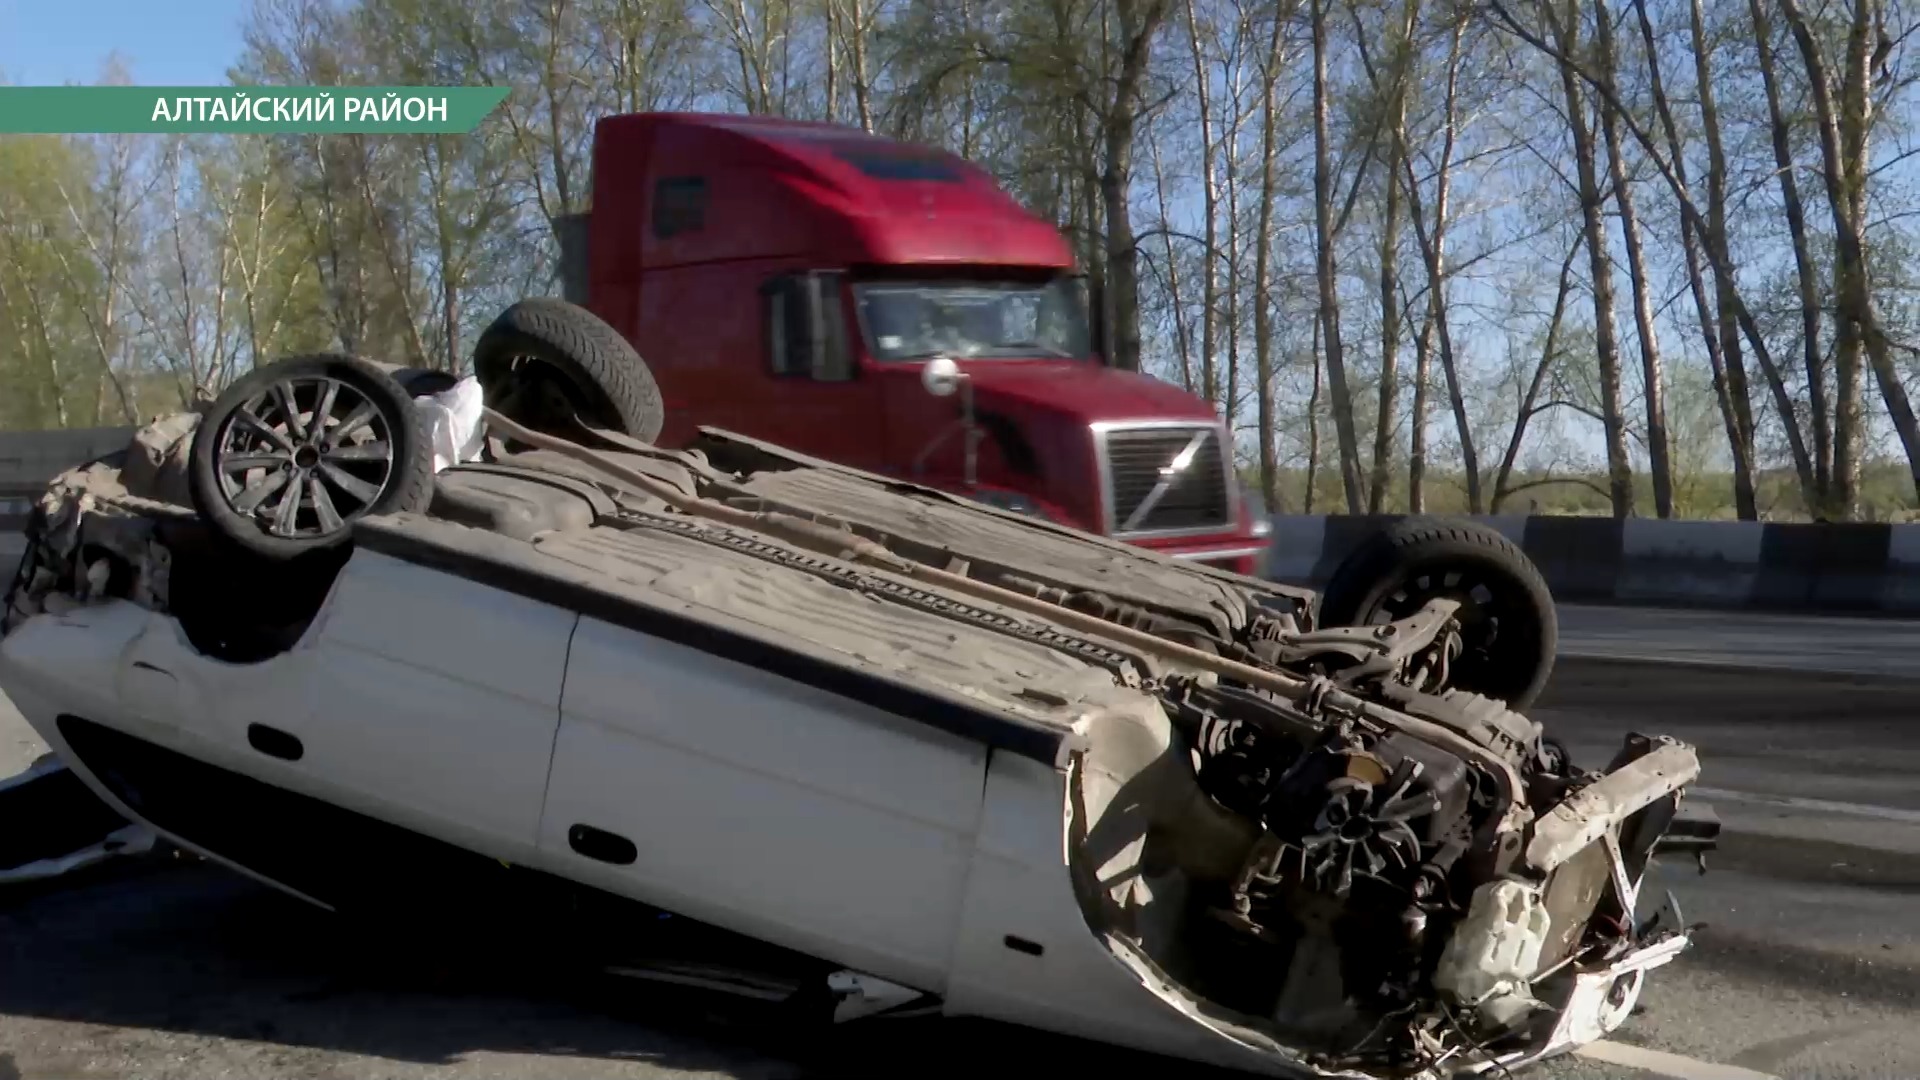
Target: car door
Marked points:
431	701
745	799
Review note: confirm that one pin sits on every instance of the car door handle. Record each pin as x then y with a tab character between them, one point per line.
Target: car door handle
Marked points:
601	845
274	743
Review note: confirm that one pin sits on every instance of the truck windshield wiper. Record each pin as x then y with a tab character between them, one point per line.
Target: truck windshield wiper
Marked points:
1013	349
1016	347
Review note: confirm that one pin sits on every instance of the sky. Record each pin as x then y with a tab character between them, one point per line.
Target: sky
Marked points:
163	42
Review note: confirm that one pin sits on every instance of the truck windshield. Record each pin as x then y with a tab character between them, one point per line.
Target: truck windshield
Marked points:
906	320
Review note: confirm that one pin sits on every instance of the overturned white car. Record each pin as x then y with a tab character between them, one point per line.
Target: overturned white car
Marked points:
926	748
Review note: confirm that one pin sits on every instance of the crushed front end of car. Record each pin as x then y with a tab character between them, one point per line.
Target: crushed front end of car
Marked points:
1372	879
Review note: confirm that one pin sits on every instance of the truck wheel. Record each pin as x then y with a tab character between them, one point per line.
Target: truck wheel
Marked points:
1508	624
292	453
545	361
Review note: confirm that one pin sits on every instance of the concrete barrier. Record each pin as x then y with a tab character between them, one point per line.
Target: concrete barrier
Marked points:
1853	568
12	546
28	459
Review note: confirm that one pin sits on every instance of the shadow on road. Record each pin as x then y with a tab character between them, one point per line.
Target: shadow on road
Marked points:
193	950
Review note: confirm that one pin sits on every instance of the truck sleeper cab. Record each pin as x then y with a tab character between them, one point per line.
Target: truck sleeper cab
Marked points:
791	280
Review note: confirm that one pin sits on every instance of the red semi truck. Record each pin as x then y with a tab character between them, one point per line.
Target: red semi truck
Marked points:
887	306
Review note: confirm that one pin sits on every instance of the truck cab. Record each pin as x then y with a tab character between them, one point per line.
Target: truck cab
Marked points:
815	285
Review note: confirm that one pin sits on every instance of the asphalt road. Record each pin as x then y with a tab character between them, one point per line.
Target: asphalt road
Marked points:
1808	965
1859	646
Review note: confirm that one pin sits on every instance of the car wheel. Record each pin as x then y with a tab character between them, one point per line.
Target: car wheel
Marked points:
291	454
422	382
545	363
1508	626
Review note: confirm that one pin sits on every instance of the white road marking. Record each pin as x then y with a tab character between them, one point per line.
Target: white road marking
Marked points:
1865	810
1661	1063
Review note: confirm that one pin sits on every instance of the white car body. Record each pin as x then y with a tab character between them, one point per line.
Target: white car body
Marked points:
907	797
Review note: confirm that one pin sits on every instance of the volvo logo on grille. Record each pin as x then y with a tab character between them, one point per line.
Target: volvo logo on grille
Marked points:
1170	474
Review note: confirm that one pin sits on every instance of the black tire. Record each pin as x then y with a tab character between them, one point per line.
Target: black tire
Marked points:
420	382
386	467
1509	626
544	346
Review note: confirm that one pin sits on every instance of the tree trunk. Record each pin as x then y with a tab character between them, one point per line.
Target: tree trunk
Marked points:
1262	274
1529	402
434	158
56	378
1210	208
1231	324
1389	400
1342	400
832	58
1714	230
1182	340
1844	136
1138	24
1740	447
1417	417
862	84
1732	310
1088	236
855	22
1721	254
1805	275
1659	458
399	263
1619	469
1433	253
1736	380
1313	427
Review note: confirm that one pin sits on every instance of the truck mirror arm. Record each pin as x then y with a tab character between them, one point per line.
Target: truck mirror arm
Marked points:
943	371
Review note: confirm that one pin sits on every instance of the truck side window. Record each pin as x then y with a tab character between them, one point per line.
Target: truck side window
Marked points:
806	330
782	322
679	205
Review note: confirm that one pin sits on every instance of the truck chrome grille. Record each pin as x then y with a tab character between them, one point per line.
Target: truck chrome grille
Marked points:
1146	493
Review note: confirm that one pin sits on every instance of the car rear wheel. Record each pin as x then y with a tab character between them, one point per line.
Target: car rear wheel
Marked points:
1508	626
291	454
549	364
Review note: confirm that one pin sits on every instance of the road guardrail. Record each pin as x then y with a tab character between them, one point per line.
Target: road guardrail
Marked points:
1864	568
